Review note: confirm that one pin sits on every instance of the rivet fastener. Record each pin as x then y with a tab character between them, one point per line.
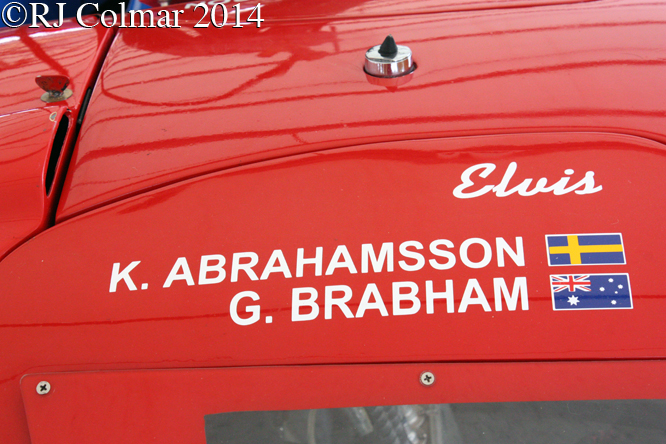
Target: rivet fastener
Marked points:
427	378
43	388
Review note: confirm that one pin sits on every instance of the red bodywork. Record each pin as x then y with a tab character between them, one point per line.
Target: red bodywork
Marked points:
29	126
244	142
168	405
212	102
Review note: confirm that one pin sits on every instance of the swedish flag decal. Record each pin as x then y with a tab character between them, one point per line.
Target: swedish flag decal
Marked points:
585	249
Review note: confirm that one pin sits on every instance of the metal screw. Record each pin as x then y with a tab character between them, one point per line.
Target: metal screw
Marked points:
427	378
43	388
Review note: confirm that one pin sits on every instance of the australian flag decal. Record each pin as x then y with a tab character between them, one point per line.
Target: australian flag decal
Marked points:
590	291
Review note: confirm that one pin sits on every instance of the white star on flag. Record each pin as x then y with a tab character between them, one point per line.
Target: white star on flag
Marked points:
573	300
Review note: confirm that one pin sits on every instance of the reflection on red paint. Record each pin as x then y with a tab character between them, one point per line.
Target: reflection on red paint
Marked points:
195	101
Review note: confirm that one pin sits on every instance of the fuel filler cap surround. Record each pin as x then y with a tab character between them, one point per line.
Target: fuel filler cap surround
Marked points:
389	59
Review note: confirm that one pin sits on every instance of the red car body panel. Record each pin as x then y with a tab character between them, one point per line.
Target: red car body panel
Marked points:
281	10
169	405
391	192
210	102
23	163
28	125
202	142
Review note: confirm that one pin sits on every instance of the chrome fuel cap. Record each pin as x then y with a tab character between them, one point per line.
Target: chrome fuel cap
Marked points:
388	59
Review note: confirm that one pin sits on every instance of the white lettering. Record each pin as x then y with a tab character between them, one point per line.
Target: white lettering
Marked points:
501	190
35	15
283	268
175	17
517	256
341	303
236	265
519	288
371	290
385	255
450	257
459	191
104	21
467	299
432	295
204	268
487	253
79	15
211	3
143	13
117	276
186	275
420	260
559	187
410	296
254	310
347	263
61	14
588	184
301	261
297	303
123	13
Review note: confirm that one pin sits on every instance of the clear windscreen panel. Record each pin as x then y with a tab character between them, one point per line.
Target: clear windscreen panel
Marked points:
556	422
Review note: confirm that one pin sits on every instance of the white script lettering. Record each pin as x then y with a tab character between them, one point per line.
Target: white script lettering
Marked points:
584	186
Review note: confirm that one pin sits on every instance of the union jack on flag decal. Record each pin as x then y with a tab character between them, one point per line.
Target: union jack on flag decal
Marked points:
571	282
590	291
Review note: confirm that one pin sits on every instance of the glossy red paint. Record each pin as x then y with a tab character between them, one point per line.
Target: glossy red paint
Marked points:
186	102
285	10
285	145
27	207
28	125
169	406
389	192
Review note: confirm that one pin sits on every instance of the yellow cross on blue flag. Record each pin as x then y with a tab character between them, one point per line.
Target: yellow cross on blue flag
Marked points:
585	249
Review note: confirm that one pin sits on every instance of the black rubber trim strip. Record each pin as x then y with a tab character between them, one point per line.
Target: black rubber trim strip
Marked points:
56	150
84	107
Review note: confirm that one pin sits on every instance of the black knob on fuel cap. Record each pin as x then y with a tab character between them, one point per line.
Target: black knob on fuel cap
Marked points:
388	48
388	59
